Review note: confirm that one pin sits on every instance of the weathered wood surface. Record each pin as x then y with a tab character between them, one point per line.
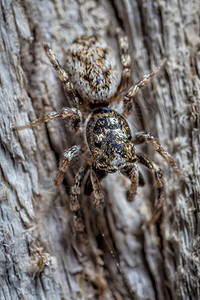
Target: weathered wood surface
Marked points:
40	255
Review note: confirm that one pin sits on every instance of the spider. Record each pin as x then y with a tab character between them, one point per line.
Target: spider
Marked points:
93	79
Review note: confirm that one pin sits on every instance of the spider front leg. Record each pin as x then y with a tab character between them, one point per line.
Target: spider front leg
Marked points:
142	137
63	113
134	182
147	162
98	195
74	203
63	165
134	89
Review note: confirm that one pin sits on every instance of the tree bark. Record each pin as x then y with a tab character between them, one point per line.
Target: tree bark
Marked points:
41	255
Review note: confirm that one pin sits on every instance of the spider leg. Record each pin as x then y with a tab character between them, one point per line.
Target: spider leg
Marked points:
74	203
134	182
125	58
63	165
134	89
147	162
142	137
63	113
98	195
79	224
88	184
63	75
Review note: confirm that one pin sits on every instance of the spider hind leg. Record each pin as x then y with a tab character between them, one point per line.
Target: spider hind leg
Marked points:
140	84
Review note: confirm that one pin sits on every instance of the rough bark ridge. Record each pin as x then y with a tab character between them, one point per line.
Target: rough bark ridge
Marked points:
40	255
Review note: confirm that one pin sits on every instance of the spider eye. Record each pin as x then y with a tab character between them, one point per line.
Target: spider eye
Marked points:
98	144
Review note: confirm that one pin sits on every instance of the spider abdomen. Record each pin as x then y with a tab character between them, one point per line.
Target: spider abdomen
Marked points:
109	139
93	69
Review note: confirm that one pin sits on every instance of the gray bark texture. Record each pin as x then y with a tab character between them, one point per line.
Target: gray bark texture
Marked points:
41	256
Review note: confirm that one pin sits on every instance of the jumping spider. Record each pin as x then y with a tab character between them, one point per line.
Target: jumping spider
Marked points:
94	79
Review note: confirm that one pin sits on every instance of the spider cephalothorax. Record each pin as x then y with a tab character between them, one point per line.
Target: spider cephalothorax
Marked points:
108	137
93	78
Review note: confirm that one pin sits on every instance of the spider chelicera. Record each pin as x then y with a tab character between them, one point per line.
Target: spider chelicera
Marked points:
93	78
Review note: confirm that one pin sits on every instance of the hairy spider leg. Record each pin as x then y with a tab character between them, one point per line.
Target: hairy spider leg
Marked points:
134	89
63	113
75	205
142	137
68	154
74	202
125	58
63	165
134	182
98	195
63	75
147	162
